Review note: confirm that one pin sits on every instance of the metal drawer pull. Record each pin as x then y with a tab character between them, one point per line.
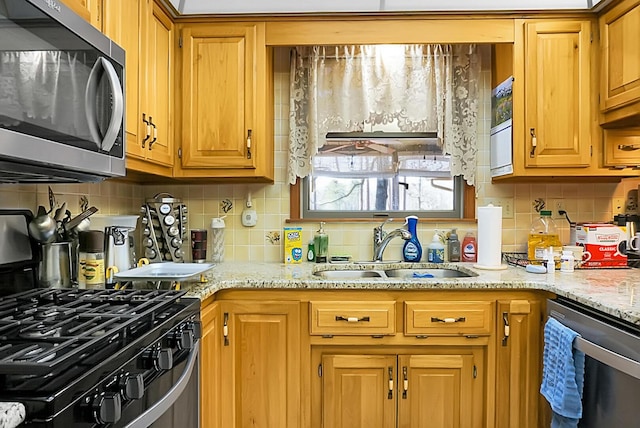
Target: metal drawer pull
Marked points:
628	147
352	319
448	320
608	358
534	142
390	394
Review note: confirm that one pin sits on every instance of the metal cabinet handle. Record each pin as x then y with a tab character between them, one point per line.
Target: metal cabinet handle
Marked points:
390	394
507	329
448	320
405	382
249	132
628	147
225	329
155	132
352	319
534	142
147	128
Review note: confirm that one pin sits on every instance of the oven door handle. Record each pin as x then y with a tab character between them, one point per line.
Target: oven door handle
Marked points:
608	358
162	405
101	66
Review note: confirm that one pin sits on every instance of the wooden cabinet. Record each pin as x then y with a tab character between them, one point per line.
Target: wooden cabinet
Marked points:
210	346
552	105
260	364
518	363
226	124
146	33
407	391
620	64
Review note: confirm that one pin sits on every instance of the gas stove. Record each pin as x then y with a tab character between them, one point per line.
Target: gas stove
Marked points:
87	358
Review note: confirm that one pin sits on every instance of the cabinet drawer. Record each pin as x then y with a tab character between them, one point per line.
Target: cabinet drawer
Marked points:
622	147
352	318
448	318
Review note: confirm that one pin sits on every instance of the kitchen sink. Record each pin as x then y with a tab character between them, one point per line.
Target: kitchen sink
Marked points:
392	272
424	273
350	274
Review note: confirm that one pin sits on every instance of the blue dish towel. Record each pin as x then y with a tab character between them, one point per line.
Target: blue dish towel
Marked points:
562	375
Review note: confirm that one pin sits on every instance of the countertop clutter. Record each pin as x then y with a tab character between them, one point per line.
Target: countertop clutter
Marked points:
612	291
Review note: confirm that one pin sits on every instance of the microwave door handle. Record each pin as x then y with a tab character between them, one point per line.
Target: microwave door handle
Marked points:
163	404
91	95
118	107
90	98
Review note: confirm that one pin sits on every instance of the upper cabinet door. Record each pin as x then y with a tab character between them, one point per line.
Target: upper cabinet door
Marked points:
218	96
557	100
620	51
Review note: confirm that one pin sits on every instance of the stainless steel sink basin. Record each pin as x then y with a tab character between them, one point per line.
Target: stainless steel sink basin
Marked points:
426	273
394	272
350	274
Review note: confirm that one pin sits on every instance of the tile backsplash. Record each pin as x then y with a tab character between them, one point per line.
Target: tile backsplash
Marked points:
592	202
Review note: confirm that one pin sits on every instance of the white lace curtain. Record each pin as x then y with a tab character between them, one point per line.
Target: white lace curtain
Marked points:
420	88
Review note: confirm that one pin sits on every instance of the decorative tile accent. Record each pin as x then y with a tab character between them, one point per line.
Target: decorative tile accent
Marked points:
273	237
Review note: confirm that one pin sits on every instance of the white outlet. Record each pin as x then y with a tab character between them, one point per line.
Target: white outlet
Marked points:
618	205
556	205
505	203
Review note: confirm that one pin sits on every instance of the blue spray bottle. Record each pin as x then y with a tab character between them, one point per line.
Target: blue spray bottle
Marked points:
412	250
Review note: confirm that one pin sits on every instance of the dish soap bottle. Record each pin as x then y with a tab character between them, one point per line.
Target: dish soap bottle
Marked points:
435	250
469	248
454	247
412	250
321	241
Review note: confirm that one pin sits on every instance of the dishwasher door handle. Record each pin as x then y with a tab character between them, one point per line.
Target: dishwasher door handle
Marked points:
607	357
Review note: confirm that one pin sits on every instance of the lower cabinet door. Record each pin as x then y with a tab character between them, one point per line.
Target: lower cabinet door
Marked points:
407	391
358	391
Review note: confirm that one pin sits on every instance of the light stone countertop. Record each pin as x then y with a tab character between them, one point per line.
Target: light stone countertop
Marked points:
613	291
11	414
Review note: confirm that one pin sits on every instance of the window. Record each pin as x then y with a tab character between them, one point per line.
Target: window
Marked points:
418	104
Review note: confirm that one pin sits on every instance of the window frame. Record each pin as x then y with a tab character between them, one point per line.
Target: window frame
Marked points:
295	209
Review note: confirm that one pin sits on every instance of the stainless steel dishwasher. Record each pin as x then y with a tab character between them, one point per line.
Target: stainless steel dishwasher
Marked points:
612	365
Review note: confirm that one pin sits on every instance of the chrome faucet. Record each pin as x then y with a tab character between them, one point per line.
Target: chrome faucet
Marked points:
381	239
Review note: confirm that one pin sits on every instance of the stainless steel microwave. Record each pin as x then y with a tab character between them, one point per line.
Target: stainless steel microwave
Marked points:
61	96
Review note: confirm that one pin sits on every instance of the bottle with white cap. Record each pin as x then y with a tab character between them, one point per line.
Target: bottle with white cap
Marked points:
217	239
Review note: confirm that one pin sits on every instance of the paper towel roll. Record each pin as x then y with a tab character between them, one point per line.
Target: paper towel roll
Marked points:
490	238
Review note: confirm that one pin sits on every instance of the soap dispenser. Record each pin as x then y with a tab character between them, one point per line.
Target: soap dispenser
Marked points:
321	241
435	250
412	250
454	247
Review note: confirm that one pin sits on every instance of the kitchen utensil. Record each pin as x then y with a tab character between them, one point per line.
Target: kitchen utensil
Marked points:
55	267
43	228
116	250
77	219
52	200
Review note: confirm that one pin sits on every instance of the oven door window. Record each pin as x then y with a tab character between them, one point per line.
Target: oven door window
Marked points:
56	86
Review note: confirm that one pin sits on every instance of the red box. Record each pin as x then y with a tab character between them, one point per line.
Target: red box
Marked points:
603	245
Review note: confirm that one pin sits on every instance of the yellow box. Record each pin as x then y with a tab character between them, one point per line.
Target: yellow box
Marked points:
293	245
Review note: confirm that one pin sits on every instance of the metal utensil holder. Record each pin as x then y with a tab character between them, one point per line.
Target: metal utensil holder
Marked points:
164	220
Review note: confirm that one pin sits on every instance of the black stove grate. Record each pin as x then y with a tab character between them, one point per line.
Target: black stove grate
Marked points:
46	330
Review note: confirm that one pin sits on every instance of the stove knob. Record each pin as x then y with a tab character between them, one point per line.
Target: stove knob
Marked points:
163	359
183	339
131	386
169	220
196	328
107	408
